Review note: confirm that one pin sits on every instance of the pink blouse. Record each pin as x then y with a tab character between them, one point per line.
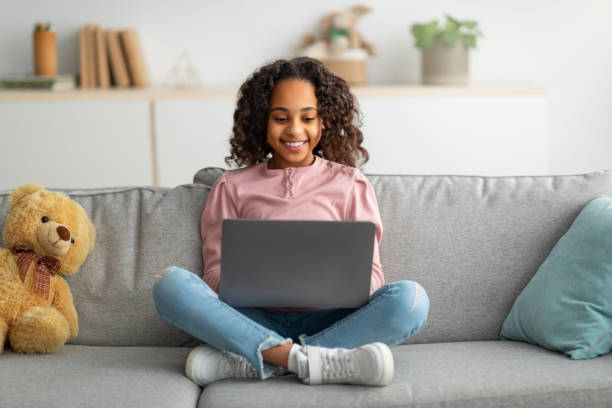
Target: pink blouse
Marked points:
325	191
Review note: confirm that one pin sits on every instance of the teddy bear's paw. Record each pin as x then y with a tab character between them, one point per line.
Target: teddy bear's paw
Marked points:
3	331
39	330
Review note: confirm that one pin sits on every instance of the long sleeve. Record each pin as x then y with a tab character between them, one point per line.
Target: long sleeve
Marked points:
364	207
219	205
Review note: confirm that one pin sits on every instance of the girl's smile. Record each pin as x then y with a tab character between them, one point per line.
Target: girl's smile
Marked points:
295	146
294	126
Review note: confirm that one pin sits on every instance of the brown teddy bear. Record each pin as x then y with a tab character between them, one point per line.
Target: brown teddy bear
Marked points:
46	235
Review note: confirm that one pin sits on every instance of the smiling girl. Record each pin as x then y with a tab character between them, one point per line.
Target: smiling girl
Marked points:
297	143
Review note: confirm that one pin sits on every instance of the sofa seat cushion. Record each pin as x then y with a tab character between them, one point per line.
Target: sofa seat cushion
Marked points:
87	376
460	374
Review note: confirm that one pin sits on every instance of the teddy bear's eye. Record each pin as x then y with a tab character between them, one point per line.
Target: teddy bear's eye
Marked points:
45	219
72	240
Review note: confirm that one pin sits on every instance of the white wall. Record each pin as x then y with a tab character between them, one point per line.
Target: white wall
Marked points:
564	45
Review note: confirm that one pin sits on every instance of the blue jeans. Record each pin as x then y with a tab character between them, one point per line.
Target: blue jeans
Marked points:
395	312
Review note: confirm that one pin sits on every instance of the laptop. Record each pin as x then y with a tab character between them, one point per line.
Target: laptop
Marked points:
309	264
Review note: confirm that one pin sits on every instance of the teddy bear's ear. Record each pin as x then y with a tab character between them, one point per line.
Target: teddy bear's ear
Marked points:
22	191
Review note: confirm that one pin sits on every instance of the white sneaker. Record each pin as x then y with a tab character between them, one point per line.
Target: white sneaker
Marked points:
206	364
371	364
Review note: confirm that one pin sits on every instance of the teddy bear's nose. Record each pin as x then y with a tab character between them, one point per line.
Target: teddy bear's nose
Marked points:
63	233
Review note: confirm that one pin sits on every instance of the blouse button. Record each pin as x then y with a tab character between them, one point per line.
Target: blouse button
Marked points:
290	171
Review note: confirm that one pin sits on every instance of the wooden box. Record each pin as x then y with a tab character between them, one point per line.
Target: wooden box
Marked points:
352	71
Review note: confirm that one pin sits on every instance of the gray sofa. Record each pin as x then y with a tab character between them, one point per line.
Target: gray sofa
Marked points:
472	242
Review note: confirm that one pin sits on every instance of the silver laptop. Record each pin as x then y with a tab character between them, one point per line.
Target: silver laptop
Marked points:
318	264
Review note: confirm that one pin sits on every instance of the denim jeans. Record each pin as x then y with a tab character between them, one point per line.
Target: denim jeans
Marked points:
395	312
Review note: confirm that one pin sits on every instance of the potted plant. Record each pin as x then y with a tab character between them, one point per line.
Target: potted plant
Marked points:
445	50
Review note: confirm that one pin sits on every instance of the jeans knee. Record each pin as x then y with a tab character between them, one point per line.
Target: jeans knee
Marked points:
166	288
411	306
420	304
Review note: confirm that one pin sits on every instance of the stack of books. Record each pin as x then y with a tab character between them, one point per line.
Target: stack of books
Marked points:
53	83
111	58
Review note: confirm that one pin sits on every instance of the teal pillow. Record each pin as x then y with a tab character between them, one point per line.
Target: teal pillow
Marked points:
567	305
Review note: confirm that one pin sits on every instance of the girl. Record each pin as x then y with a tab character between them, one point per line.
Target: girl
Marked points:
296	139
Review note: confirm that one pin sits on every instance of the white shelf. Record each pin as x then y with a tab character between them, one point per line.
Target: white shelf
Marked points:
154	94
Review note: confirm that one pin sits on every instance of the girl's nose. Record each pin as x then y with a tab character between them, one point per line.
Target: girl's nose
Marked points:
295	127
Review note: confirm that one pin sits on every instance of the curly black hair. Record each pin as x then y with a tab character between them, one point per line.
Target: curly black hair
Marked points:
340	139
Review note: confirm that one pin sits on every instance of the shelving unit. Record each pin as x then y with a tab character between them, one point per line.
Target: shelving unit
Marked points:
163	136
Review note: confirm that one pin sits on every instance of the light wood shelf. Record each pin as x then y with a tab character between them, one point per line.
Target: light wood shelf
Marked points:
153	94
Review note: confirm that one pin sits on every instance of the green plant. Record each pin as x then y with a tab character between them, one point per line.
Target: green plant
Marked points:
426	35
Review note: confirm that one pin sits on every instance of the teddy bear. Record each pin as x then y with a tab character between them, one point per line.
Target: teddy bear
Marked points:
46	236
337	35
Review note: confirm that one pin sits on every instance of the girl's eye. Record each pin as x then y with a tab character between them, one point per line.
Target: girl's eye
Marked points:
45	219
308	120
280	120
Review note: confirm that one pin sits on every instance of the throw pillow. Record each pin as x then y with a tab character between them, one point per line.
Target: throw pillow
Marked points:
567	305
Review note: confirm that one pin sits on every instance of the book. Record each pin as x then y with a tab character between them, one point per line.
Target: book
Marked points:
83	59
55	83
134	57
102	61
92	70
117	62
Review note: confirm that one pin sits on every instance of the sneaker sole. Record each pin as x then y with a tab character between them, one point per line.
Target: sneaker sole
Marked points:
388	364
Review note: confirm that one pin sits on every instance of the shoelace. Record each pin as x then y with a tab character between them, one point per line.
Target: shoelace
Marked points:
235	366
338	365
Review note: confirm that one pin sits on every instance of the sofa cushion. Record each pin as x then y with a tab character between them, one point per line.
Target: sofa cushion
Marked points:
567	305
140	232
208	175
86	376
461	374
475	242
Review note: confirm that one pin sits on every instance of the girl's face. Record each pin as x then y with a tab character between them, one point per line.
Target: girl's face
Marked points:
294	126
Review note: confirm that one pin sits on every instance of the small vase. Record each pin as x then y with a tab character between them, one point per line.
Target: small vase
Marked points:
45	53
442	65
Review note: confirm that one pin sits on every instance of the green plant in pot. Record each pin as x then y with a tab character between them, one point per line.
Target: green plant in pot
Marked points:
445	50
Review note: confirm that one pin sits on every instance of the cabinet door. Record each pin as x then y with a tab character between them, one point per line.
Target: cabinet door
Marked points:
469	135
461	135
191	134
75	144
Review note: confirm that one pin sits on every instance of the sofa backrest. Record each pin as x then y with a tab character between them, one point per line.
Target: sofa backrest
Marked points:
472	242
475	242
140	232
